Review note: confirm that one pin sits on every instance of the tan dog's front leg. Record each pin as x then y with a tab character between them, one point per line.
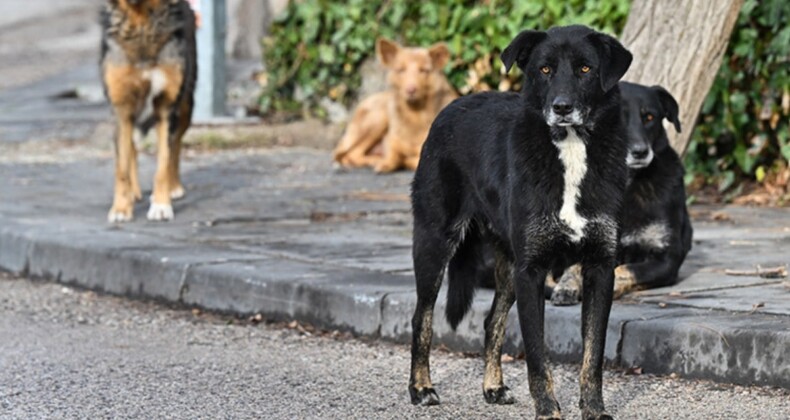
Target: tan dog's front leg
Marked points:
161	206
122	206
392	160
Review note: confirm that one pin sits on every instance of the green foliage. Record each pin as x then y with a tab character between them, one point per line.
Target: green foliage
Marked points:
317	46
743	127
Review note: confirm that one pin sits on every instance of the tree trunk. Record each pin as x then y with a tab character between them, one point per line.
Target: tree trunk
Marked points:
678	44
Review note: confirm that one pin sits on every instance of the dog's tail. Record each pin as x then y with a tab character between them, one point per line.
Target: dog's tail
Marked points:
471	266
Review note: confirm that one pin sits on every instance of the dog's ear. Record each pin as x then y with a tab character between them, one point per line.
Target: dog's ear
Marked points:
669	104
614	59
440	55
386	51
520	48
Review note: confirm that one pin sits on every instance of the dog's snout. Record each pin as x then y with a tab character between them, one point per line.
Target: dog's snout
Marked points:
640	152
562	105
411	90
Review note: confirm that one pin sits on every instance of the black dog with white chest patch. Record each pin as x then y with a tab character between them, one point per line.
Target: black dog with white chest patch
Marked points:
656	230
540	177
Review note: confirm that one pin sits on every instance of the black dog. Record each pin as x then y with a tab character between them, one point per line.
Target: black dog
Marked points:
539	176
656	230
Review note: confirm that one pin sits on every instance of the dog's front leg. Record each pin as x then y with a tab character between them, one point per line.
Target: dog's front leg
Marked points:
123	202
596	304
494	389
161	205
392	159
528	284
654	272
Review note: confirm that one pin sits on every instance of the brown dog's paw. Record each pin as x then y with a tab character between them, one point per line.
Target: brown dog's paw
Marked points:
565	296
160	212
624	281
120	214
501	395
177	192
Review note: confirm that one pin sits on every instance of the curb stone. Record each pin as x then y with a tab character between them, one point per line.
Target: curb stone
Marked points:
695	343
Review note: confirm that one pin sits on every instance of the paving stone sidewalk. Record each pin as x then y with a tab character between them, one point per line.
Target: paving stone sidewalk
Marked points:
281	233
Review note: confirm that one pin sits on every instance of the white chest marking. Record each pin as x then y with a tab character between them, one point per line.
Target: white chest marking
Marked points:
158	80
573	155
653	236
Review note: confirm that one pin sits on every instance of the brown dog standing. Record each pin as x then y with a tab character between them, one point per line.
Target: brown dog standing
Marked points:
401	116
149	70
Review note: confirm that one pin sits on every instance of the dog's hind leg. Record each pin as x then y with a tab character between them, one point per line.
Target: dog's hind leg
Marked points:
494	389
528	284
431	251
176	139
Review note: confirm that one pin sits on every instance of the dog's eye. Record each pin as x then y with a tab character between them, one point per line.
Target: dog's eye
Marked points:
545	70
649	117
425	70
585	69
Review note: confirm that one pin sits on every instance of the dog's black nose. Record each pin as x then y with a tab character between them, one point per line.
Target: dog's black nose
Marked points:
640	152
562	105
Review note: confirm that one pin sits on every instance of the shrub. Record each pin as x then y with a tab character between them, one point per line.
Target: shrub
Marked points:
742	132
317	46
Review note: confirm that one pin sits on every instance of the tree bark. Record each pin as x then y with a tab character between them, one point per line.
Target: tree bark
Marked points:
678	44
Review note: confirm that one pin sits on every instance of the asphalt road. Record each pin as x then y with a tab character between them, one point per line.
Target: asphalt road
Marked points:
68	353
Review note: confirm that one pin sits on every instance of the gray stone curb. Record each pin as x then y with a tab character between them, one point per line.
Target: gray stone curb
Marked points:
743	348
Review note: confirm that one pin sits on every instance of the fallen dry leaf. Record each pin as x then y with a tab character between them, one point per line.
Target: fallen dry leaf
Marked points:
634	370
506	358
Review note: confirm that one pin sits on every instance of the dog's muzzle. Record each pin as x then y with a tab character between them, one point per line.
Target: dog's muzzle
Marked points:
573	118
638	159
563	113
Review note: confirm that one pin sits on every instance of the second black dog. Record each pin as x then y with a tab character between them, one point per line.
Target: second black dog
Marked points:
656	230
539	176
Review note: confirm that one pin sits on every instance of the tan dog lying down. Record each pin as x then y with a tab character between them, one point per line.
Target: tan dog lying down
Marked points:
401	116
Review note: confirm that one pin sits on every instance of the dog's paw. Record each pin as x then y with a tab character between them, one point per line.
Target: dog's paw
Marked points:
177	193
565	296
119	216
501	395
587	415
339	168
160	212
424	396
384	168
624	281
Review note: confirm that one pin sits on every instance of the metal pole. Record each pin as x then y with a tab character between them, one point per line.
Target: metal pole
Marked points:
211	90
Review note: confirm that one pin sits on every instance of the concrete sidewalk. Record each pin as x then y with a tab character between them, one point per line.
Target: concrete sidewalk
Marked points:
278	232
